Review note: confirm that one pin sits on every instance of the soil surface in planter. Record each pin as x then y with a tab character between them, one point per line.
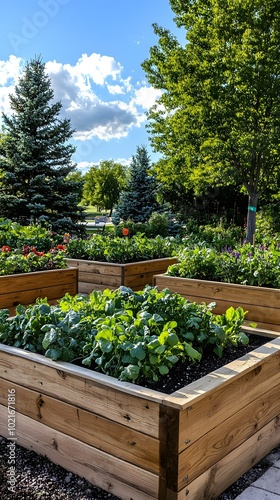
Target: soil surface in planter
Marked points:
183	374
37	477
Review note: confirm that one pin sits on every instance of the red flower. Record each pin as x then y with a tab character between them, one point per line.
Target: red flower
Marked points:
61	247
35	251
125	231
26	249
6	248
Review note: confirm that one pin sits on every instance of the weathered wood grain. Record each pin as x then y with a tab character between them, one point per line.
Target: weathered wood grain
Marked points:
101	469
262	304
142	444
27	287
94	275
126	443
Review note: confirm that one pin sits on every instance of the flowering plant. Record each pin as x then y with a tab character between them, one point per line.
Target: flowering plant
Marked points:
29	259
15	235
245	265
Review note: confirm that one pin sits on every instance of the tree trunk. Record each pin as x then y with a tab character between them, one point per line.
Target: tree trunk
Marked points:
251	217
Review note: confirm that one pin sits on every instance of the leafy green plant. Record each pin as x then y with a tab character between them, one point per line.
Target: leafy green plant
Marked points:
122	249
217	236
15	235
246	265
159	224
133	336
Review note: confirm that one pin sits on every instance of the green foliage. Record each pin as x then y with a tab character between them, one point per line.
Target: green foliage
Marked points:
159	224
15	262
138	201
268	224
120	249
245	265
217	121
103	184
133	336
15	235
36	156
217	236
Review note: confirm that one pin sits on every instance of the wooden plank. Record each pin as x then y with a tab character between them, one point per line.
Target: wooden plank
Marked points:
227	435
118	440
226	471
256	360
101	469
225	291
263	329
38	279
53	286
95	267
210	411
29	297
127	404
149	266
89	287
100	279
138	281
263	304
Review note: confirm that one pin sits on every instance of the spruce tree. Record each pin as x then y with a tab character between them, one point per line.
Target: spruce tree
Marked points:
36	156
138	201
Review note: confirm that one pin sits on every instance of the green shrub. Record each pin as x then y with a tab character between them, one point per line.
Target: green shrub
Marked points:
246	265
15	235
218	237
159	224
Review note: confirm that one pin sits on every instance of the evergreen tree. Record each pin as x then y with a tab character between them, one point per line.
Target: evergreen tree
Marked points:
36	156
138	201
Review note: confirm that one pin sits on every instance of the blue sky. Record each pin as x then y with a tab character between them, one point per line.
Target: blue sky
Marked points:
93	50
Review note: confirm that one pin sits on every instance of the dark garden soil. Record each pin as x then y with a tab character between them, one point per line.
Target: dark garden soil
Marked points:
38	479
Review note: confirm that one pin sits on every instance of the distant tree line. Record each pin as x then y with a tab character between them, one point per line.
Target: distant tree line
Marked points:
216	127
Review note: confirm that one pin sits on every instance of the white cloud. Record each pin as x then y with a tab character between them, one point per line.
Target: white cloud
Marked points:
146	97
85	90
10	70
98	67
115	89
83	166
9	73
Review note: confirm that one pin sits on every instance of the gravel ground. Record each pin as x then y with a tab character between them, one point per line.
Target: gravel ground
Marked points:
36	478
39	479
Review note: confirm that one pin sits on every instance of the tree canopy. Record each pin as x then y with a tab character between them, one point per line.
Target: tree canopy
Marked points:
35	157
217	121
103	184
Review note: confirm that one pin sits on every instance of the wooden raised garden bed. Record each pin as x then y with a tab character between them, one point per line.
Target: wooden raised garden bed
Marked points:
262	304
141	444
95	275
27	287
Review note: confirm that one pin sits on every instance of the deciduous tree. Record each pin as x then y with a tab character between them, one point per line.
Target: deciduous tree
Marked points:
218	119
103	184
